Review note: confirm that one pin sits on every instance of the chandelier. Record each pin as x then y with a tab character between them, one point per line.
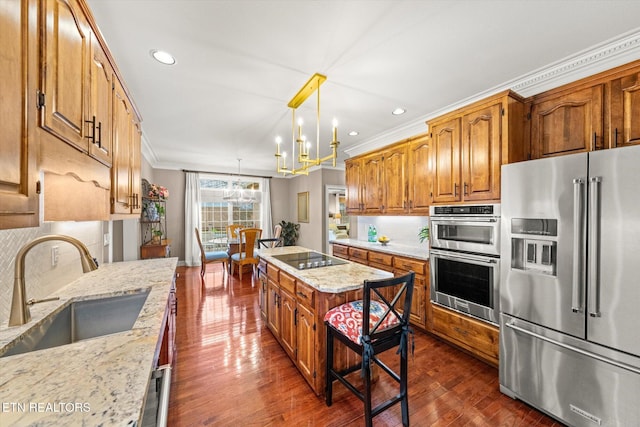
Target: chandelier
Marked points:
238	194
301	162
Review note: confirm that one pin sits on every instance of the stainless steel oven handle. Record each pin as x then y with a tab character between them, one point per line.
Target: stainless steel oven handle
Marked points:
165	388
460	219
621	365
594	246
578	245
455	255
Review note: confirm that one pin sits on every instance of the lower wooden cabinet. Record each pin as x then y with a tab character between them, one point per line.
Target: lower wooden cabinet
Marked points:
168	347
289	310
288	332
474	336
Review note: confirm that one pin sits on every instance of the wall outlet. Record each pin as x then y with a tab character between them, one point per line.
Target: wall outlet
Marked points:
54	256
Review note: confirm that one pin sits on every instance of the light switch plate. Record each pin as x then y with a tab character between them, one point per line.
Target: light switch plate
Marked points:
105	239
54	256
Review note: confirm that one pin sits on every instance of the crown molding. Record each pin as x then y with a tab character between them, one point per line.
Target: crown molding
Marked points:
620	50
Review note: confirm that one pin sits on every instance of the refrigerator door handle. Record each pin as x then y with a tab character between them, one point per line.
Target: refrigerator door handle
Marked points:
512	325
578	245
594	246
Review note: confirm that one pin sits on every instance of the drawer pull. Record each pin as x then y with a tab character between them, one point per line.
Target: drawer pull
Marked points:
461	331
300	294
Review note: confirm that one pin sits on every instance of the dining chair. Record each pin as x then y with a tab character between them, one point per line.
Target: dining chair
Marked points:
232	231
247	255
210	257
386	306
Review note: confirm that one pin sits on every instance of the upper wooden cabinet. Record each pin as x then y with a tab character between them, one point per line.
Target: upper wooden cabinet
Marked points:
597	112
418	175
395	184
372	168
19	205
567	123
125	172
99	117
76	81
625	110
64	90
469	145
353	179
445	160
390	181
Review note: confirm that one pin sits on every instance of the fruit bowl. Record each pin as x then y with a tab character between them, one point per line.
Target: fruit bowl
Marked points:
384	240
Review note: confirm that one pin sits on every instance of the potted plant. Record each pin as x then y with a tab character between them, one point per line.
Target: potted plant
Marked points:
289	233
157	237
423	234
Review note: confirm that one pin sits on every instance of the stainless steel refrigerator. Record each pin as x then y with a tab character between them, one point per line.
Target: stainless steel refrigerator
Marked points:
570	289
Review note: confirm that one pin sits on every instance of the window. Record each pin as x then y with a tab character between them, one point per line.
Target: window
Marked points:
228	200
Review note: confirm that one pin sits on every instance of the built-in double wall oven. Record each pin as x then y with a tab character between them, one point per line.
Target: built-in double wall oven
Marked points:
465	259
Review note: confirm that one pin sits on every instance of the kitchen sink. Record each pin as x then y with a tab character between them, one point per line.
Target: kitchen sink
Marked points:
81	320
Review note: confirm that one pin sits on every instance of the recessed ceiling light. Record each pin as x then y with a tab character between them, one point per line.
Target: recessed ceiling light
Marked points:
163	57
353	133
398	111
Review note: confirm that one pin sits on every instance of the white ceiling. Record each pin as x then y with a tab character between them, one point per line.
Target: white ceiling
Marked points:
239	62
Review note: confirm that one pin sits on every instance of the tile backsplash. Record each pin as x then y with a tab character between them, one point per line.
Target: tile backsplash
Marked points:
41	277
400	229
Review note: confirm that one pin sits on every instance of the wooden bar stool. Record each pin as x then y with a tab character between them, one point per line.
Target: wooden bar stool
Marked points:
387	327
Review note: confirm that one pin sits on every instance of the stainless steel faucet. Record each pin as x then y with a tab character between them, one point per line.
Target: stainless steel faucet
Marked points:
19	306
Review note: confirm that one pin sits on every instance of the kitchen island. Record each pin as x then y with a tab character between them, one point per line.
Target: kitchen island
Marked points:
293	303
98	381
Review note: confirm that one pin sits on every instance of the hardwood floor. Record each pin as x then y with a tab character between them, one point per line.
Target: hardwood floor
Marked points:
230	371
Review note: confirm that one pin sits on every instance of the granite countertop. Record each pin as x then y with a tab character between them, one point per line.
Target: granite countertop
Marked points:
417	251
330	279
100	381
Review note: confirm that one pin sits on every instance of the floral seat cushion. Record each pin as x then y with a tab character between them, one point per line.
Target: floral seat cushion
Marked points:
347	319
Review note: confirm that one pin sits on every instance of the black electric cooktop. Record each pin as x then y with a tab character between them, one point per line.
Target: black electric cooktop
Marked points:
308	260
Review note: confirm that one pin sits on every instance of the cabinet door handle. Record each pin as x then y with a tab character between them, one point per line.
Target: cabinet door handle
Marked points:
92	137
615	137
99	141
455	190
594	142
466	189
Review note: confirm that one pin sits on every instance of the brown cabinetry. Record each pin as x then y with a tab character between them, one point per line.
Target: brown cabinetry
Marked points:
57	113
469	145
598	112
418	175
390	181
394	196
125	172
64	94
478	338
625	110
567	123
99	117
76	81
372	168
290	314
420	300
19	205
354	179
168	347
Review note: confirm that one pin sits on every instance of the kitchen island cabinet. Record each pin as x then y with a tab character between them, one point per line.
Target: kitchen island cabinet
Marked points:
296	302
108	375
